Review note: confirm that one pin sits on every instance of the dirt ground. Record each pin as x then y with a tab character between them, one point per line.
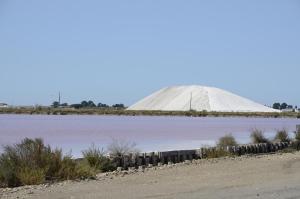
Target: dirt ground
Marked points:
264	176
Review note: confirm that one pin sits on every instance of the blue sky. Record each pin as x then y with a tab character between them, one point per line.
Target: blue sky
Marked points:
121	51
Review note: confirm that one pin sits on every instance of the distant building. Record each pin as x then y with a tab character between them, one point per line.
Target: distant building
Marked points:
3	105
287	110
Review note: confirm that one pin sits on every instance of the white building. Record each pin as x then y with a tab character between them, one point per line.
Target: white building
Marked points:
3	105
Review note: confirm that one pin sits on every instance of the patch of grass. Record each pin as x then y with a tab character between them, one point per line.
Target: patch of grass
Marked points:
297	135
257	137
119	148
296	142
32	162
217	153
282	136
122	111
289	150
29	176
227	140
96	159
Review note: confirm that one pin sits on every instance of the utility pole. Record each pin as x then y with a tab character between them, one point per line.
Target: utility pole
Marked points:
191	101
59	98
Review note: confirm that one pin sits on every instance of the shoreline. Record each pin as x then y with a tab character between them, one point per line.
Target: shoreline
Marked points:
124	112
205	177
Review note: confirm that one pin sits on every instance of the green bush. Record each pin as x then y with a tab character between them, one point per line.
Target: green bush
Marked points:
29	176
296	143
257	137
282	136
227	140
297	135
84	171
119	148
96	159
32	162
93	156
217	153
8	174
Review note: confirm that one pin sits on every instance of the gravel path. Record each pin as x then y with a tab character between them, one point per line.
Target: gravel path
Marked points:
265	176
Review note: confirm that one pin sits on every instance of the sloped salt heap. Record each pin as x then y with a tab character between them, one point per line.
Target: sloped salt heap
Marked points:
199	98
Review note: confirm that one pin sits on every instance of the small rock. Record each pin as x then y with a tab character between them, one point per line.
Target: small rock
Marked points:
119	169
141	169
187	162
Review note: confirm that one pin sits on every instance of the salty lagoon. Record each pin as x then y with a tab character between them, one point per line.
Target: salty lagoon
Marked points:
151	133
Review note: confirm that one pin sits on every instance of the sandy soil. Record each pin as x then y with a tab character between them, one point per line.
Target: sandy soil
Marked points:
265	176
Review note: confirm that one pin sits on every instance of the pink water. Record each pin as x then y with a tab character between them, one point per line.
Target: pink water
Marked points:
77	132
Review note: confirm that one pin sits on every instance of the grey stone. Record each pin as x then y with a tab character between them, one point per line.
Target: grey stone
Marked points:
119	169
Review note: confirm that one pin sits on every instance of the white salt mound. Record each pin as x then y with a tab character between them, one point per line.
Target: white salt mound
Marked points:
199	98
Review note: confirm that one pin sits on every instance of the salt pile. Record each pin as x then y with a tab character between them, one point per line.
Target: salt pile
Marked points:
199	98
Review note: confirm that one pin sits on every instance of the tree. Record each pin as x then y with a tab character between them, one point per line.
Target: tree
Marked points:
283	106
91	104
276	105
84	103
118	106
76	106
100	105
64	104
55	104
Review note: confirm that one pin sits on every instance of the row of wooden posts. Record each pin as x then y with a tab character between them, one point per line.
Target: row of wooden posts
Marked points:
167	157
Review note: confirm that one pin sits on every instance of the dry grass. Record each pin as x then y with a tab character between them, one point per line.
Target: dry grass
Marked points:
227	140
32	162
122	111
282	136
257	137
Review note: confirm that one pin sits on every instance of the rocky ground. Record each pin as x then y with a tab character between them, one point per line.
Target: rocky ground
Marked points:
263	176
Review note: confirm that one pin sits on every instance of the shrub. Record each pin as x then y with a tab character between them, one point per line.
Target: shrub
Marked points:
96	159
297	135
8	172
67	170
29	154
31	162
93	156
84	171
282	136
217	153
30	176
257	137
119	148
227	140
296	143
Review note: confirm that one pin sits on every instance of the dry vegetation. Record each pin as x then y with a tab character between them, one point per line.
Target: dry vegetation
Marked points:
227	140
122	111
257	137
33	162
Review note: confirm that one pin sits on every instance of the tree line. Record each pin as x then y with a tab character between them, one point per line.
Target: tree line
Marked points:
282	106
86	104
